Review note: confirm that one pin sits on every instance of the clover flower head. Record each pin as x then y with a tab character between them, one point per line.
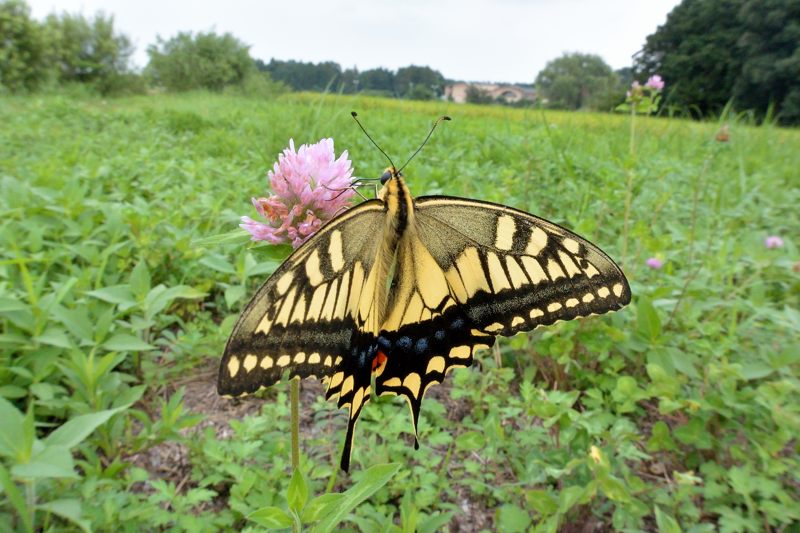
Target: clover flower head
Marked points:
309	186
655	263
655	82
773	241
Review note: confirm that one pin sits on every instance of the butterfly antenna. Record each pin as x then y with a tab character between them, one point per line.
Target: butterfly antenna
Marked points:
355	117
438	120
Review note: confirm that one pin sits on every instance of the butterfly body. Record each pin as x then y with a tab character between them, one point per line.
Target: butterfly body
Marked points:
402	290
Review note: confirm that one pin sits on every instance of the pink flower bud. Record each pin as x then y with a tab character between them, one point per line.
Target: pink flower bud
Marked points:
773	241
655	82
655	263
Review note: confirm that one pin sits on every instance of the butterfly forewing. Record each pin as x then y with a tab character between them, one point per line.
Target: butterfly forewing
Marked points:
511	271
304	317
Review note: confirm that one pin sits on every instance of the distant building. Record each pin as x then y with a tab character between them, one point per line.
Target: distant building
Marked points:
457	92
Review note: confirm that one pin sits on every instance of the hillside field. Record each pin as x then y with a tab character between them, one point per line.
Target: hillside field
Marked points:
679	412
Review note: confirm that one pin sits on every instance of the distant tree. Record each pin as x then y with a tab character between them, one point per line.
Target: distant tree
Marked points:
712	51
348	82
204	60
695	52
376	80
302	76
770	51
419	83
22	48
575	81
420	92
625	76
87	50
476	95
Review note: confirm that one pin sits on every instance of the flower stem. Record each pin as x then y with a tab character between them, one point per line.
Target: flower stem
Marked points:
629	186
294	385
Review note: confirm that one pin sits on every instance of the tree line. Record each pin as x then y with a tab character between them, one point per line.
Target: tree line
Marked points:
415	82
711	53
67	48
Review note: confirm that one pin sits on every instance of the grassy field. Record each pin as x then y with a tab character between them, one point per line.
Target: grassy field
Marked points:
680	412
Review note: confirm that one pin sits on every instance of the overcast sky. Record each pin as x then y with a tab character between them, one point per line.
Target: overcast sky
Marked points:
473	40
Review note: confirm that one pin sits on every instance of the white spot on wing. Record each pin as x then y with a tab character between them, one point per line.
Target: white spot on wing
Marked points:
553	307
284	282
504	232
571	245
496	273
617	289
313	270
537	241
335	251
233	366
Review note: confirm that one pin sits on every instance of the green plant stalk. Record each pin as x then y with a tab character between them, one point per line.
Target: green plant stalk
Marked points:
629	186
294	385
30	499
294	401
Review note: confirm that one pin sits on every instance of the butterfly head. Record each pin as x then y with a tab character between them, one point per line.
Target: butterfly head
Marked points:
388	174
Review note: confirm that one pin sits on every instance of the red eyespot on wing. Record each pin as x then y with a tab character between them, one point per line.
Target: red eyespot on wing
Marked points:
379	361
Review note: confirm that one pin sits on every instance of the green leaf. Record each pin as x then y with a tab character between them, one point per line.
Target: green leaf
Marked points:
12	391
14	496
756	370
470	441
512	519
12	304
140	280
693	434
69	510
120	295
320	506
76	320
542	502
124	342
568	497
661	439
233	294
50	462
54	337
649	325
742	480
275	252
160	297
237	236
271	518
374	478
665	522
218	263
613	488
297	493
435	522
11	421
75	430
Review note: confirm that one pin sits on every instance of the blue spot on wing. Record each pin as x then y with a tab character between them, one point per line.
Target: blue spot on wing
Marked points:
422	346
384	343
404	343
